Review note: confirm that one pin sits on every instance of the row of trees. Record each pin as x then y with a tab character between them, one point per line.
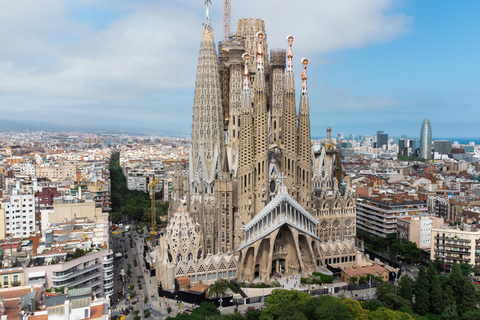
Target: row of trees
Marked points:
132	204
432	295
392	246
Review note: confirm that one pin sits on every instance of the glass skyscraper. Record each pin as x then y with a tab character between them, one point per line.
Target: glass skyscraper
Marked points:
426	140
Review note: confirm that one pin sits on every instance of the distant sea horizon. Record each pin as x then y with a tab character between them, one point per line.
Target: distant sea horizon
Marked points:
463	141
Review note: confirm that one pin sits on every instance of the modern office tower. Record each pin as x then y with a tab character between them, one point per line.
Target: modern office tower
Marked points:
404	136
361	138
352	137
415	144
382	139
403	145
340	137
442	146
426	140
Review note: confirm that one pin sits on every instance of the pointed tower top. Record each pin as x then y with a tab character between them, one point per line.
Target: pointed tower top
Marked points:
304	104
304	75
245	98
260	76
289	79
289	52
207	13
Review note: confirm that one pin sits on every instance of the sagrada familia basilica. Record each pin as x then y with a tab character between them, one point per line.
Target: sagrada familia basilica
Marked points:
256	200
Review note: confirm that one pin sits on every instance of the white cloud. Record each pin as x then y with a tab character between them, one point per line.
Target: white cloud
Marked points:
152	46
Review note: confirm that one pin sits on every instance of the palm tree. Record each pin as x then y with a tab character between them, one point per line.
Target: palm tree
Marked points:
218	288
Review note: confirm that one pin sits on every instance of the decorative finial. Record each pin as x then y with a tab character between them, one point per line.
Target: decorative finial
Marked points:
207	14
304	75
260	36
245	98
260	77
246	80
289	52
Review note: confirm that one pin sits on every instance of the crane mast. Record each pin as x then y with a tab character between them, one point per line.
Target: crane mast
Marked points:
152	185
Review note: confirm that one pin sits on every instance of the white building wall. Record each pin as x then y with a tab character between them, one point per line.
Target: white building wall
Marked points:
20	216
425	232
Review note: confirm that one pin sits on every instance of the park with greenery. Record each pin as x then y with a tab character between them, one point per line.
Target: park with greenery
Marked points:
391	247
431	296
134	205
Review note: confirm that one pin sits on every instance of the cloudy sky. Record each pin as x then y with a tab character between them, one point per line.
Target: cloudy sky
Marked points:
374	65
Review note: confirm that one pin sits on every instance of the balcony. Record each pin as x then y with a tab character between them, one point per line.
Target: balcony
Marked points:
76	273
15	283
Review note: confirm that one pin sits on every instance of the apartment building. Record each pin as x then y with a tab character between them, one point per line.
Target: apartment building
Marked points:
379	217
19	212
57	172
56	269
456	244
418	229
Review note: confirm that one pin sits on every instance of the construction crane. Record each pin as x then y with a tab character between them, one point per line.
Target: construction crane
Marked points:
226	70
151	186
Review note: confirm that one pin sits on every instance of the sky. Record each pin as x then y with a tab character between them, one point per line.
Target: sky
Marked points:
374	64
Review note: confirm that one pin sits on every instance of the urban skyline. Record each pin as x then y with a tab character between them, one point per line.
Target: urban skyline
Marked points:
69	61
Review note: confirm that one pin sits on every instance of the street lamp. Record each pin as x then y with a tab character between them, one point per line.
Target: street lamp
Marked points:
221	300
369	287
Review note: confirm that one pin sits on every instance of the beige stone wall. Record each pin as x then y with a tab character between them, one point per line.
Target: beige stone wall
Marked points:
69	211
67	173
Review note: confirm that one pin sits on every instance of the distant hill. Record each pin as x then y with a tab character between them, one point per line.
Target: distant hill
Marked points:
27	126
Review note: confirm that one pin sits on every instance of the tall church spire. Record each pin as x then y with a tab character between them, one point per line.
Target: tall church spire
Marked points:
260	76
207	13
289	78
246	104
207	124
304	105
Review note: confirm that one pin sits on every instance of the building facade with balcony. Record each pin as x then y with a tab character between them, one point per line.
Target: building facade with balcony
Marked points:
94	270
379	217
461	245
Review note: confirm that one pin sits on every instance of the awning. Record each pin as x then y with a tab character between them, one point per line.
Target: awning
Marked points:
38	274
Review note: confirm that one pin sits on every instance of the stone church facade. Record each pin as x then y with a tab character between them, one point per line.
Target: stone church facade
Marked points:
255	188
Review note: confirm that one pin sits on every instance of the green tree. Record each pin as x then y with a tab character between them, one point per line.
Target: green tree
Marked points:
435	291
450	312
456	281
439	264
283	303
253	314
384	289
472	314
355	308
468	299
466	268
353	279
422	297
218	288
395	302
79	253
447	295
372	304
387	314
327	308
405	283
